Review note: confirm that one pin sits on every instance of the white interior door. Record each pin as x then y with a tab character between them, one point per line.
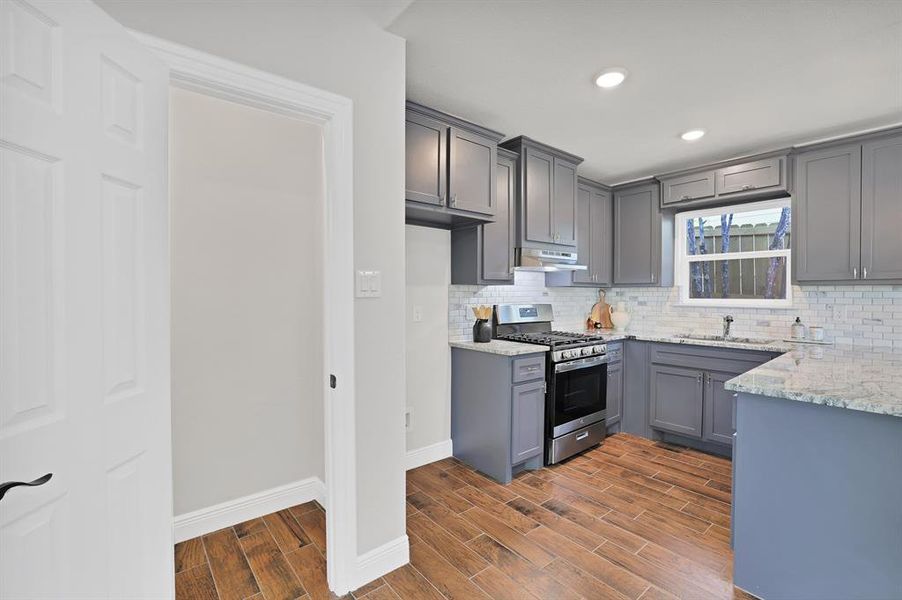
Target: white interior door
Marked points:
84	307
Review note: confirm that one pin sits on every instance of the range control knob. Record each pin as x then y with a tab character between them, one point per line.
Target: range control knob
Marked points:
598	349
566	354
587	351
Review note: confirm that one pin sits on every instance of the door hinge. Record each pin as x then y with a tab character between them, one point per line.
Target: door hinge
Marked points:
333	381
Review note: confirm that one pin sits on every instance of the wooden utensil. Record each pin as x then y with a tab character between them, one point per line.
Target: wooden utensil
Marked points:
601	313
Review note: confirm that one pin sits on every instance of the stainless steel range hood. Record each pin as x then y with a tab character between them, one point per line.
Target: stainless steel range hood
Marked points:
547	261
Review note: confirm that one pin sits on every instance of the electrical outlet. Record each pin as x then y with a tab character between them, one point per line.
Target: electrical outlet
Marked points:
838	311
417	313
408	419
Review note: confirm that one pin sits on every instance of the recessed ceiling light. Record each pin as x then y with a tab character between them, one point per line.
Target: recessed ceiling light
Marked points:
692	135
610	78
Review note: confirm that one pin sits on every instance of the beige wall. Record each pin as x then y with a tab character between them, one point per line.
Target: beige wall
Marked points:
338	47
429	359
246	189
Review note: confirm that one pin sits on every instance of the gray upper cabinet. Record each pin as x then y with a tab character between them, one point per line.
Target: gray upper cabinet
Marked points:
484	254
694	186
881	209
547	190
450	170
527	421
594	238
756	175
826	214
720	408
425	162
643	237
675	399
471	171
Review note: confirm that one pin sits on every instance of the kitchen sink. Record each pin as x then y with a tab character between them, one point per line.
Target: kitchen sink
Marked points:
720	338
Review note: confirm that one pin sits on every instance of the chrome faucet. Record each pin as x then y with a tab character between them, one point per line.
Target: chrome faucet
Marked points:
727	321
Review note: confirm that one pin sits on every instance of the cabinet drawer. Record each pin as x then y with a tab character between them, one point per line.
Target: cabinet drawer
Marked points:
688	187
708	358
529	368
747	177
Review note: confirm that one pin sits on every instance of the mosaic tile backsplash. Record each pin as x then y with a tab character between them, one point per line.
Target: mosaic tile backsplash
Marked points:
863	315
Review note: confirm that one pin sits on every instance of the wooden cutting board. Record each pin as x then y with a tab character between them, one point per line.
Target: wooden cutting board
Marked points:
601	313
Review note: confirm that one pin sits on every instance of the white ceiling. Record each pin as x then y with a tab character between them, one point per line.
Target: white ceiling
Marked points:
757	75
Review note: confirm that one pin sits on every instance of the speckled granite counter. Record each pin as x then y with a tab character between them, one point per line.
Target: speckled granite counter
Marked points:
500	347
841	376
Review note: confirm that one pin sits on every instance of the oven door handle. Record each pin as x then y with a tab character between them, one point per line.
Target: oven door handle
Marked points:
581	363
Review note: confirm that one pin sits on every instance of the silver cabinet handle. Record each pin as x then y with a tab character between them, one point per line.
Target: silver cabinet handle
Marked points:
453	200
865	273
685	197
441	199
748	187
699	378
582	436
854	272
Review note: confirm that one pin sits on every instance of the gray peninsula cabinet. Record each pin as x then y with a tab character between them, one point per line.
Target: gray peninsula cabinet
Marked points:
498	411
747	179
484	254
594	238
450	169
846	211
643	236
546	192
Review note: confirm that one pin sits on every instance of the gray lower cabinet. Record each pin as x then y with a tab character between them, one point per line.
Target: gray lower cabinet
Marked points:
675	402
527	420
498	411
615	393
484	254
643	236
594	238
720	408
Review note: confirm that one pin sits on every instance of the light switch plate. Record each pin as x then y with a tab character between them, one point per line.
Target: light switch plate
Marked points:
368	284
417	313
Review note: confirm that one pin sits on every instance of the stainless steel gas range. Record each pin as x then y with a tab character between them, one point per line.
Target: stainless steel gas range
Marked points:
576	377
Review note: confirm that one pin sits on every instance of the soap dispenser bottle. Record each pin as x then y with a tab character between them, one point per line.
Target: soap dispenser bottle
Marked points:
798	329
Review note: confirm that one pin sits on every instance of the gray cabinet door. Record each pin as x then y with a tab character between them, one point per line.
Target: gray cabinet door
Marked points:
537	195
527	421
425	160
615	393
881	209
472	161
756	175
602	237
563	204
695	186
637	231
676	399
720	407
826	214
584	235
498	236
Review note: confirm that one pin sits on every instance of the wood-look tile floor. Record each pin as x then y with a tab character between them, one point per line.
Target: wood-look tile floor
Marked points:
630	519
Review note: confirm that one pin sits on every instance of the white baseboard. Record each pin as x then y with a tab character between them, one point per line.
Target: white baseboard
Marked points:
427	454
379	561
206	520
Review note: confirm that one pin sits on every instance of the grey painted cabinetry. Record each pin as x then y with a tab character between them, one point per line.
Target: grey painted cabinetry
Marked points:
643	236
676	399
719	421
765	176
498	411
450	169
615	387
846	212
484	254
546	194
594	238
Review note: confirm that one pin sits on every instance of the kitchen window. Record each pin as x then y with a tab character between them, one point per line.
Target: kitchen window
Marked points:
735	255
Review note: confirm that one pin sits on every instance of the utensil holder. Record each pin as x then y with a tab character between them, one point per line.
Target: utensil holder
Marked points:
482	331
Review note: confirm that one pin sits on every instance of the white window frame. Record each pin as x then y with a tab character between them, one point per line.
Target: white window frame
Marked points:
682	259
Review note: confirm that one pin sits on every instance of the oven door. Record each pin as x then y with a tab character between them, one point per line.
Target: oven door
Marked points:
578	394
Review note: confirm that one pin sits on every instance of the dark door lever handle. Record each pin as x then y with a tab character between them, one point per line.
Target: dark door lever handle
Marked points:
5	487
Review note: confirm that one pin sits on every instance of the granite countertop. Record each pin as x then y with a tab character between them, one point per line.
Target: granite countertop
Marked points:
842	376
764	345
500	347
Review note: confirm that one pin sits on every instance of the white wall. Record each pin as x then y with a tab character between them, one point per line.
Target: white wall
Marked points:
246	193
338	47
428	354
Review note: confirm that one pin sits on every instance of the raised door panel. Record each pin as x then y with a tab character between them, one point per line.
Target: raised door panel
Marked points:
498	236
751	176
602	241
527	421
635	213
826	219
675	399
563	206
615	393
684	188
472	161
425	159
720	407
584	233
538	177
881	209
